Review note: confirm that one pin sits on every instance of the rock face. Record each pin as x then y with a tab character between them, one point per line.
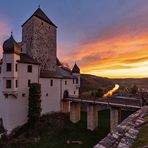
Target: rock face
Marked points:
125	133
39	41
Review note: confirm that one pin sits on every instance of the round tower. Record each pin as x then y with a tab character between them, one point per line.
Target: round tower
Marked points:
11	53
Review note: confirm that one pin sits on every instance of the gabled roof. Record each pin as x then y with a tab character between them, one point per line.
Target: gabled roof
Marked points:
76	69
41	15
60	73
24	58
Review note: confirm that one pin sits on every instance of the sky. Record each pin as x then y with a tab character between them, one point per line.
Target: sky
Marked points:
107	38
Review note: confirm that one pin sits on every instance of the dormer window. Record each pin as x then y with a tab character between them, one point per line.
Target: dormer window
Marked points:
29	68
8	67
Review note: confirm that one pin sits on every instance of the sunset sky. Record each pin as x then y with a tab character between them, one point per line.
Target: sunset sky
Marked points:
107	38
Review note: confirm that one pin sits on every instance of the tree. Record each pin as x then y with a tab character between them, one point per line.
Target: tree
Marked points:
134	90
99	92
34	102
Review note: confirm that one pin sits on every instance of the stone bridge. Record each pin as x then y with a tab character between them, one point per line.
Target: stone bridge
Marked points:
115	104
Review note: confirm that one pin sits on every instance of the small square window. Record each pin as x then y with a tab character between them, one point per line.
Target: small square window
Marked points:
16	67
29	68
8	83
51	82
29	82
8	68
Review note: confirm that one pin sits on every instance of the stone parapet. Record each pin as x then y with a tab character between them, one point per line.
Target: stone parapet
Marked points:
125	133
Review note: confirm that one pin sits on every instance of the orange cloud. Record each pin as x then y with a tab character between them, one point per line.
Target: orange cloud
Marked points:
123	52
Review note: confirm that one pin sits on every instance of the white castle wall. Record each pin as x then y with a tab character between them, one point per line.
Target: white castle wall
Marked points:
70	87
50	99
14	111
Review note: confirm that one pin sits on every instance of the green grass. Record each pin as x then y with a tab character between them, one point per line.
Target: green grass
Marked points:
142	138
55	131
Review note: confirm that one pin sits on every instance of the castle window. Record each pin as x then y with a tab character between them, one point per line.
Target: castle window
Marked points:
42	23
23	95
73	81
16	67
77	81
16	83
29	68
65	82
8	83
29	82
8	68
51	82
74	92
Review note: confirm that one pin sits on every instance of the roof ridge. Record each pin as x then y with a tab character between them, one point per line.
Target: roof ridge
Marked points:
41	15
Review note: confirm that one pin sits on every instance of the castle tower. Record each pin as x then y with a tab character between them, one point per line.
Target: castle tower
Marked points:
76	73
11	51
39	40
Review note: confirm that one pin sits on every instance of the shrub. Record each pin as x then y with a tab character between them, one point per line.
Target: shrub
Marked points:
34	102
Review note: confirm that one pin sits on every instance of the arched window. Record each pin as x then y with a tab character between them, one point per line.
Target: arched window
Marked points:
66	94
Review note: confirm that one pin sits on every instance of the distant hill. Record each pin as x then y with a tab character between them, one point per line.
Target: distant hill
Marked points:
91	82
127	82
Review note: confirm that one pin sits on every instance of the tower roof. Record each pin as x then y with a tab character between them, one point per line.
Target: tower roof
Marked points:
76	69
11	46
41	15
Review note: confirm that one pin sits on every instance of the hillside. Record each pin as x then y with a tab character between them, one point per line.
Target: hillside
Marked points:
140	82
91	82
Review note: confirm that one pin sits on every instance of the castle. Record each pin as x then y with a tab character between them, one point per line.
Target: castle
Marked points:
34	60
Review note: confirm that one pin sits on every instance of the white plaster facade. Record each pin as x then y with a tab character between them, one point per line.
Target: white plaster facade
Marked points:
14	96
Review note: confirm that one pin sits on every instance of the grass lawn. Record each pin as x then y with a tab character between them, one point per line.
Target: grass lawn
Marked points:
55	130
142	138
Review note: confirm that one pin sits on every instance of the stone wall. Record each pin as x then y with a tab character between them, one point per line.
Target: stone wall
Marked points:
125	133
39	41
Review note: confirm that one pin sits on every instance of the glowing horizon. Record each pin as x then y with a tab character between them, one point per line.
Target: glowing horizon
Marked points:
113	45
